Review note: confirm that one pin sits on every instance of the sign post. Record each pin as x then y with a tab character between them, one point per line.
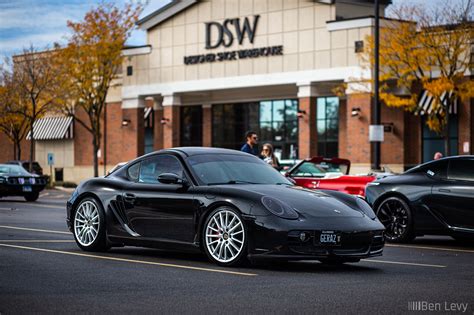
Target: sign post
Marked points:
51	163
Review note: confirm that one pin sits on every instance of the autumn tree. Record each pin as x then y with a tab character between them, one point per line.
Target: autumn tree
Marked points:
34	78
12	123
91	60
426	48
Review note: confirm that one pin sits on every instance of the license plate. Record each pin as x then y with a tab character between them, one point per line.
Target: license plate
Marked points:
329	238
27	189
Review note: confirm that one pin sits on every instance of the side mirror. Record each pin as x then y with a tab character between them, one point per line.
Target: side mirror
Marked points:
287	174
171	178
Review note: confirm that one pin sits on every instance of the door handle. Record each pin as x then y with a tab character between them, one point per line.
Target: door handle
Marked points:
444	190
129	197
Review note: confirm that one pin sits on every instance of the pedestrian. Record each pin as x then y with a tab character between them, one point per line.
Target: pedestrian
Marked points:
269	156
438	155
250	146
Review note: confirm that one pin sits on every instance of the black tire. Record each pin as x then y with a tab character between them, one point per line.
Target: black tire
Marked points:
337	261
396	215
241	257
32	197
99	243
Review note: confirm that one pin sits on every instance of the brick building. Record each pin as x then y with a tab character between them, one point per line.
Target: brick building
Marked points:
213	69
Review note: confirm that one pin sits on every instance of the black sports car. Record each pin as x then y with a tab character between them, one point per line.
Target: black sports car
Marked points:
228	204
433	198
16	181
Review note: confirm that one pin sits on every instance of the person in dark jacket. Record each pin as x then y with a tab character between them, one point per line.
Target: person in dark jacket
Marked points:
251	146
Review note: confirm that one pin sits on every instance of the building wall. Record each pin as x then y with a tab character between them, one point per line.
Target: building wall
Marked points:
300	26
7	149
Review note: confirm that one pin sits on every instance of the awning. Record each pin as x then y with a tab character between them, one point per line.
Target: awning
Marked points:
52	128
148	116
426	104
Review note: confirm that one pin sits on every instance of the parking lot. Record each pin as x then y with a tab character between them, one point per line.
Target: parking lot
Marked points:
42	270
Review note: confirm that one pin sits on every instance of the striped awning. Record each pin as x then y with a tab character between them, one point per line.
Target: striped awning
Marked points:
426	103
148	116
52	128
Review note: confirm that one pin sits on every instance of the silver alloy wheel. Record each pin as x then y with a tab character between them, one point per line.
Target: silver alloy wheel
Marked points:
225	236
86	223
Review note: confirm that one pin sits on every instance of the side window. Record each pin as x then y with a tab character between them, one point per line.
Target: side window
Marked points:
436	169
133	172
157	165
461	169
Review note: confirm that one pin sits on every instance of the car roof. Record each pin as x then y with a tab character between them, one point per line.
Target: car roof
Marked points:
190	151
447	158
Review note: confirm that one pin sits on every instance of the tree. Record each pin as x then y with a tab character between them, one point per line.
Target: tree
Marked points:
91	60
34	77
426	48
13	124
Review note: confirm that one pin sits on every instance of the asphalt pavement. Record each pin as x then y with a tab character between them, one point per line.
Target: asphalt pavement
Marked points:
43	271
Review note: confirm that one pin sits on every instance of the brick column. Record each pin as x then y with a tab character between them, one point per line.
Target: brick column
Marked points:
133	140
357	129
307	136
465	125
171	128
393	148
206	125
157	125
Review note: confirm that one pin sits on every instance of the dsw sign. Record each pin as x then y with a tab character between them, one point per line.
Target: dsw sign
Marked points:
230	30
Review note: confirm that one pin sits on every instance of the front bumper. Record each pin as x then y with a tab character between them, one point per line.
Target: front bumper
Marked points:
272	242
7	189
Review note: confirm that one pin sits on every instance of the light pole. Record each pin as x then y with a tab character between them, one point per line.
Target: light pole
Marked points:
376	132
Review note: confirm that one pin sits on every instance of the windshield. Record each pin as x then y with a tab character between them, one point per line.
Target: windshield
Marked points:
12	170
310	169
212	169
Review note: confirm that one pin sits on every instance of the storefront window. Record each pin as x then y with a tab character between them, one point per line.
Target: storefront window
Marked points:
327	121
149	125
276	122
191	126
434	142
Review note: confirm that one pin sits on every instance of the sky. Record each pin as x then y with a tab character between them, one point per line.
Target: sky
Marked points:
43	22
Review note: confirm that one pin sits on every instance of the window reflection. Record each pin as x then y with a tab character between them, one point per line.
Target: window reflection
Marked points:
328	126
276	122
191	126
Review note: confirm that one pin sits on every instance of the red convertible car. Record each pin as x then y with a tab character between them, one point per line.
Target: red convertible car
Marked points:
329	173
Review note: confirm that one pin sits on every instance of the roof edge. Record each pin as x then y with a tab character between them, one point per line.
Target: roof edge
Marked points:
164	13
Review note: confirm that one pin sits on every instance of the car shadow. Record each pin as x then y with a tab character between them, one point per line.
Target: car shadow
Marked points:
266	265
441	241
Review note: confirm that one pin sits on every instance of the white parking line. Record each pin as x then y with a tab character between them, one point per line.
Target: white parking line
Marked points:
131	260
33	230
432	248
37	241
403	263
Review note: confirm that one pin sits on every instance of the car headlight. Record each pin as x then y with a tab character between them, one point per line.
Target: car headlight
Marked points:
279	208
2	180
365	208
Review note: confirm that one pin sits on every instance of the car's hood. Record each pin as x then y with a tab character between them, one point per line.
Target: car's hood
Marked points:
308	202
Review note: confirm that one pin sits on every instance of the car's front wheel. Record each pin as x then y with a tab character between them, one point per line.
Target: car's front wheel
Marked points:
225	237
396	216
89	225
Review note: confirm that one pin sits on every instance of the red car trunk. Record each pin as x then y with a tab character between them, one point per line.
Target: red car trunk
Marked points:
329	173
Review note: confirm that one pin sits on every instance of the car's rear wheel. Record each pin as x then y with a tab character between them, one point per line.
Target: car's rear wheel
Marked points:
32	197
396	216
225	237
89	225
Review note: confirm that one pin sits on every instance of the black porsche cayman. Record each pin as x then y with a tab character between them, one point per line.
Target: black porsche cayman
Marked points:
432	198
226	203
